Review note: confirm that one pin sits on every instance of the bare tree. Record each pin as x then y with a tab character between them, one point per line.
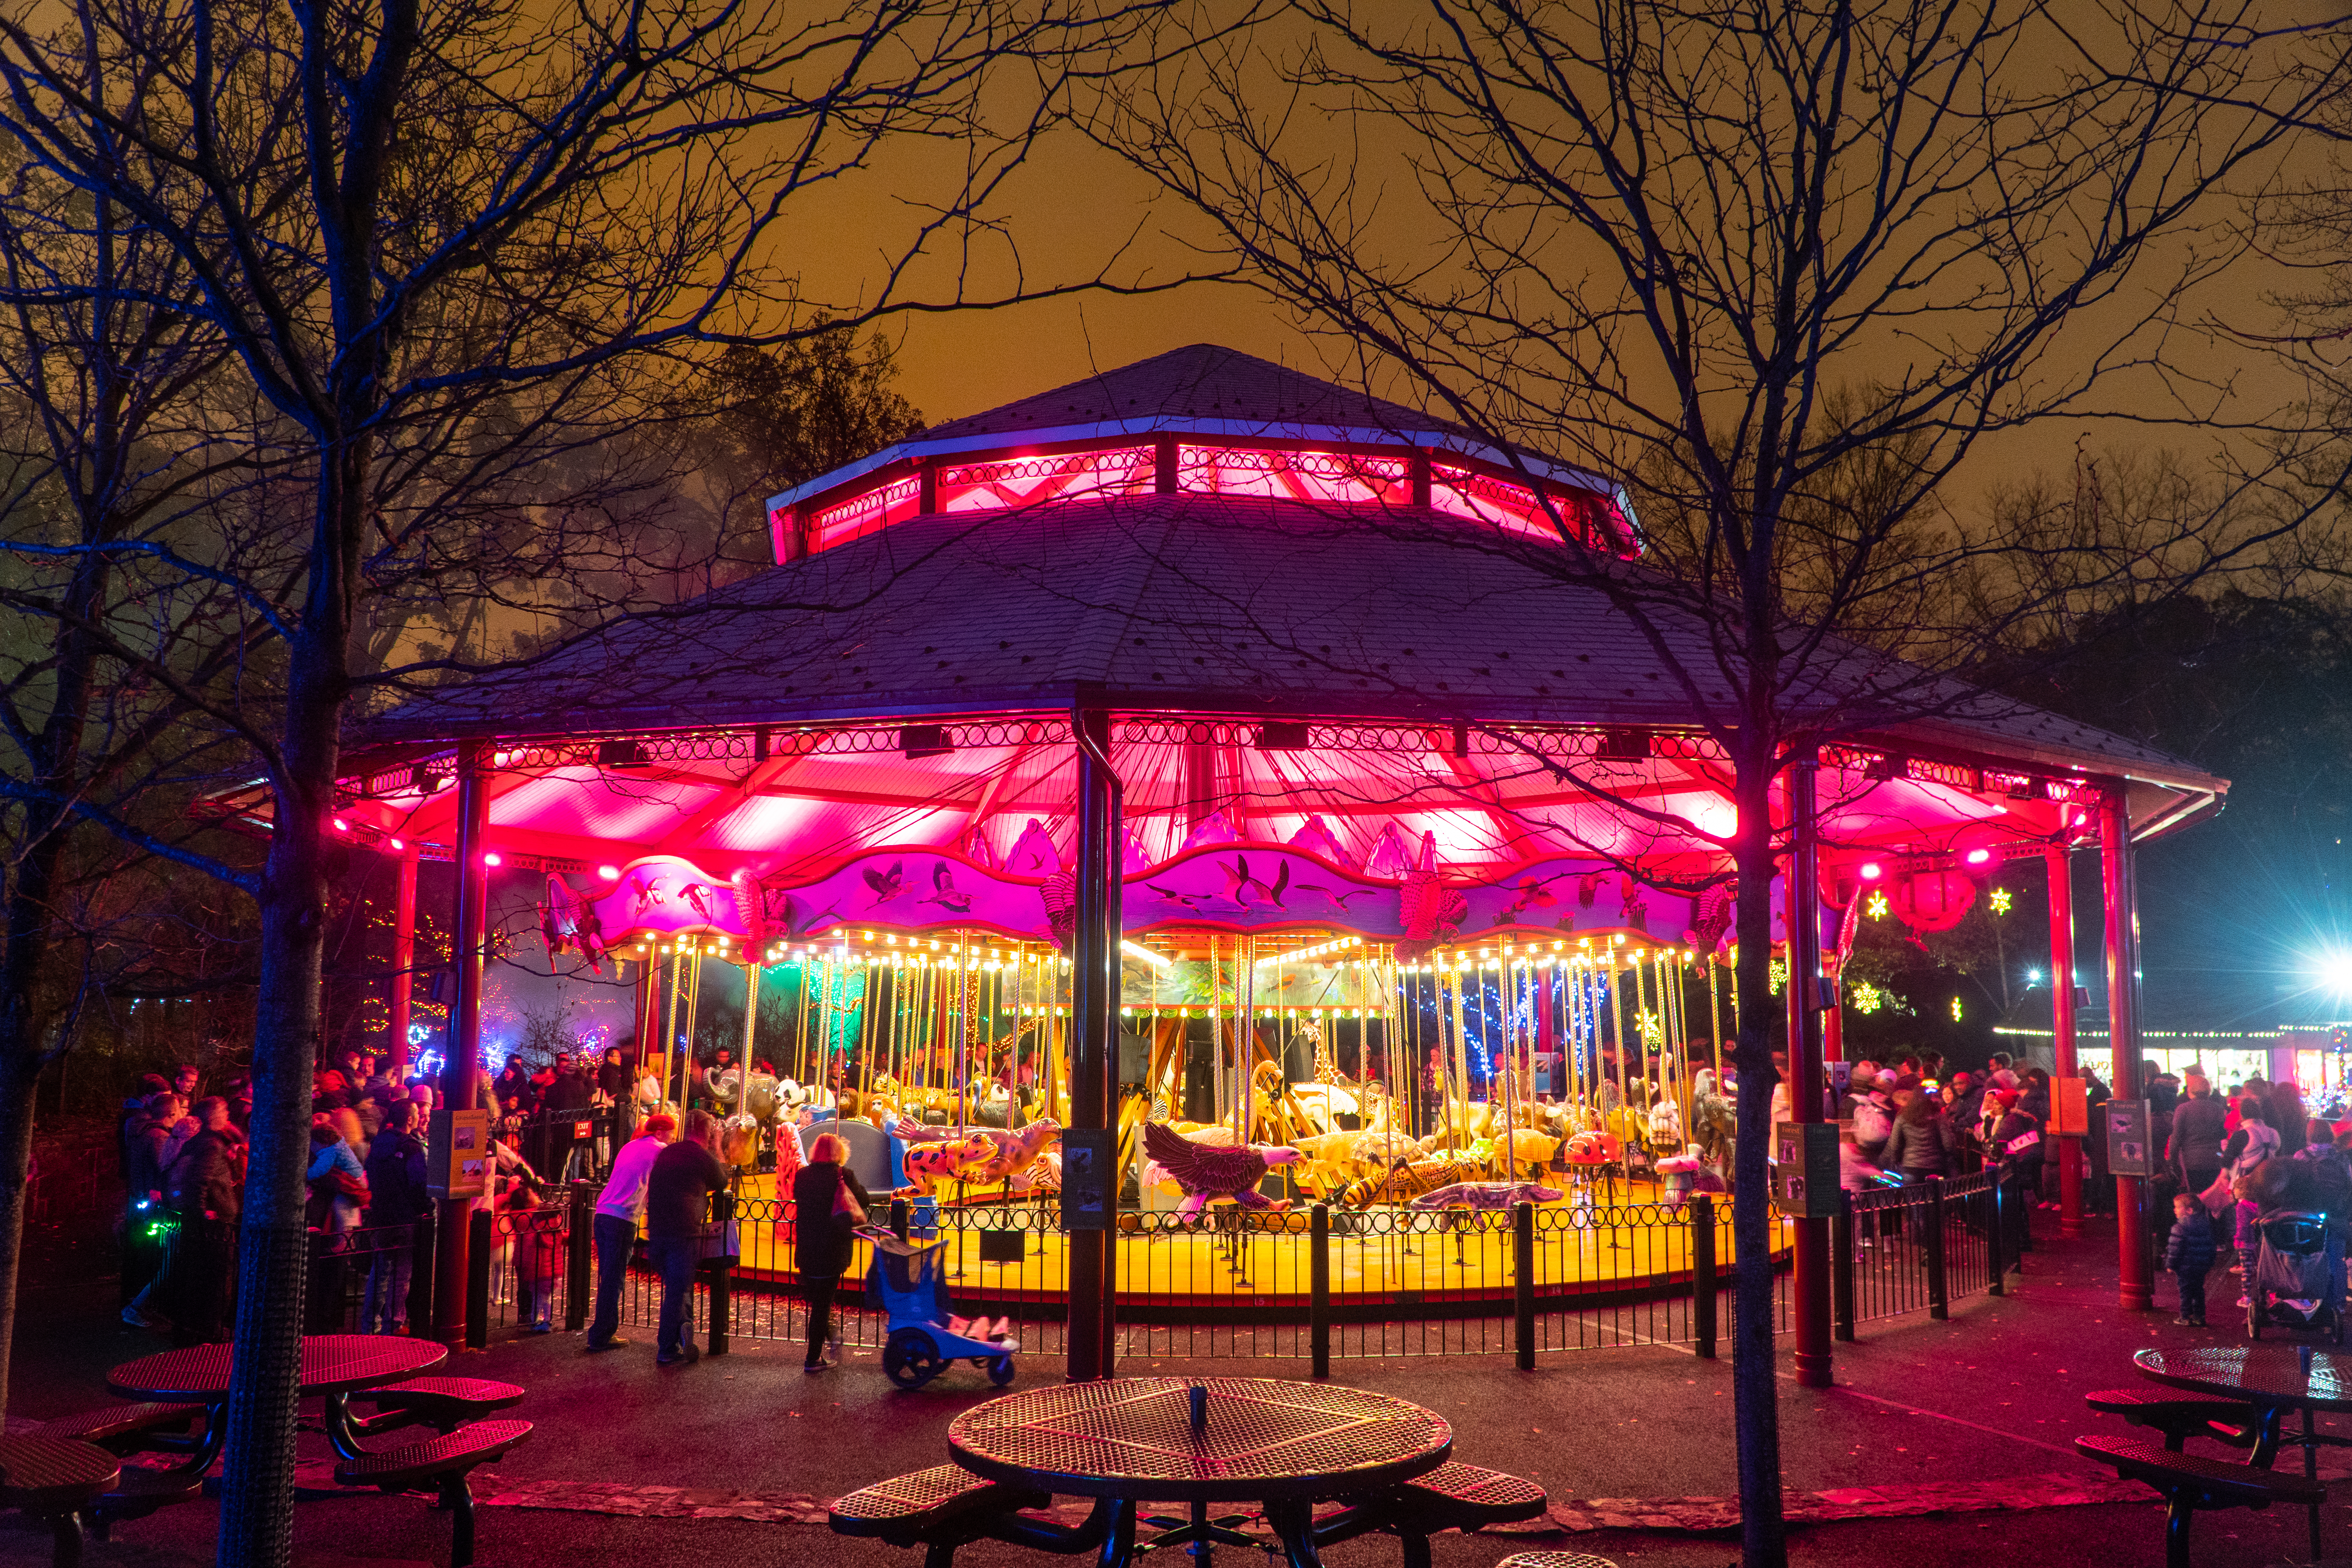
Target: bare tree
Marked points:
132	459
1785	266
453	243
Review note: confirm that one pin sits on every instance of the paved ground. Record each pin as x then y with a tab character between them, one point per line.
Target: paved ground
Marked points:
1994	1395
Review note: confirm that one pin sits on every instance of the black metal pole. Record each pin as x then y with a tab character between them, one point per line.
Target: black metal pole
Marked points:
1094	1051
476	1255
579	1257
1939	1291
1318	1292
722	1272
1841	1269
1523	1283
1995	1242
1703	1280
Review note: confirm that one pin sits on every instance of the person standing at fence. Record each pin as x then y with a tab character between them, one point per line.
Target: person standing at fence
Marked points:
400	1212
619	1211
828	1204
678	1222
1921	1145
538	1258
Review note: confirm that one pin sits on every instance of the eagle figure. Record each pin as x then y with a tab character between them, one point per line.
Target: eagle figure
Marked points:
1206	1172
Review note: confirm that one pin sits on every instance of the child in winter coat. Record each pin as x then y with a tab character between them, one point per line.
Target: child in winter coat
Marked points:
538	1258
2190	1254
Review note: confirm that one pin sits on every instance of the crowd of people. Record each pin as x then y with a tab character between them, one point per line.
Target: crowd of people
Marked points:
2230	1157
183	1163
1901	1124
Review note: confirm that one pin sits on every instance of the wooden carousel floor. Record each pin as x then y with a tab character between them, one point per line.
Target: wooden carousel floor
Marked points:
1381	1253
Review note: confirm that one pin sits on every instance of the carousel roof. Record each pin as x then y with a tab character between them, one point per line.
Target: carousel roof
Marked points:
1275	646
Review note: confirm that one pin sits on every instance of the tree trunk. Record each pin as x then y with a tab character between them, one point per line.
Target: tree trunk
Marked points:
1755	1393
257	1518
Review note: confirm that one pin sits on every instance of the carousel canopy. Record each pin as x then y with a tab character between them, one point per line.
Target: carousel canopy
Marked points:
1317	623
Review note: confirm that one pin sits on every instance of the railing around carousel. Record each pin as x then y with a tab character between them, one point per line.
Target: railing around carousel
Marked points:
1313	1284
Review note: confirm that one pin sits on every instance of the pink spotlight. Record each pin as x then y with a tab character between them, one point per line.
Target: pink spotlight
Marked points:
610	873
399	844
342	826
492	858
1978	857
1871	871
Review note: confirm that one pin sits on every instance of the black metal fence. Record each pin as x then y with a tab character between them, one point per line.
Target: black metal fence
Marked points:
1318	1285
1313	1285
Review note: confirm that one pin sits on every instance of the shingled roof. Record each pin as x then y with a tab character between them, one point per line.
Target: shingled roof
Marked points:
1201	382
1182	603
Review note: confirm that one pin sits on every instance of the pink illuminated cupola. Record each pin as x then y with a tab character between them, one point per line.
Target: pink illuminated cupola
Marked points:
1202	420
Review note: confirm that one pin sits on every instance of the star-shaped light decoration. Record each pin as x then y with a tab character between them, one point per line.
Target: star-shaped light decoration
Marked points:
1866	997
1999	899
1877	907
1956	1009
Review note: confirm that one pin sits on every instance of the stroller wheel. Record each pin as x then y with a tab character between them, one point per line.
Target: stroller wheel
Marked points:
999	1370
911	1358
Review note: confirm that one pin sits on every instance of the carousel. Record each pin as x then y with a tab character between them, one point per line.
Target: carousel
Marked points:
1181	795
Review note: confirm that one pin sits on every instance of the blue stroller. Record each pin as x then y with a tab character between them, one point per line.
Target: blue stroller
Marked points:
907	1279
2298	1279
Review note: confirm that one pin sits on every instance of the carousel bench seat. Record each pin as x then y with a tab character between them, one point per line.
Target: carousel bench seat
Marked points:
938	1510
441	1403
127	1429
2179	1416
1454	1496
2190	1481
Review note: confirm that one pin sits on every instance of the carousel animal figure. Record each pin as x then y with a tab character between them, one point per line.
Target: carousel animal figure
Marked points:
1332	1161
1405	1180
1486	1195
930	1166
1714	1123
1324	1103
1014	1153
1043	1176
1520	1148
1206	1172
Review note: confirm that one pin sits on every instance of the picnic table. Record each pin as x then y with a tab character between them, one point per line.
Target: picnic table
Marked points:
334	1367
1281	1444
2275	1380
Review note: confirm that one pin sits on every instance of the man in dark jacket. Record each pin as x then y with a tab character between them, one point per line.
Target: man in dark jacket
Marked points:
2199	1126
206	1189
678	1225
567	1107
400	1214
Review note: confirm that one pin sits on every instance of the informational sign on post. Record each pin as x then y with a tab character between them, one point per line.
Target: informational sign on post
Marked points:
1089	1155
2070	1114
2127	1150
1805	1184
458	1158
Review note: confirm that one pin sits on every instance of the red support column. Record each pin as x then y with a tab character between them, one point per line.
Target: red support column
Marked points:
403	962
2061	1026
1805	1080
461	1076
2135	1283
